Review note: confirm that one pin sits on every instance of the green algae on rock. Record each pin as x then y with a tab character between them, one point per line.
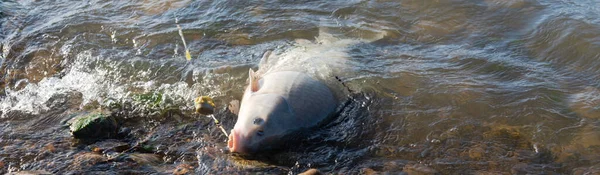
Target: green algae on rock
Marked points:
94	125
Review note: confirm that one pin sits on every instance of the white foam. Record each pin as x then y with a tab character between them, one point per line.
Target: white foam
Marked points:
91	83
325	57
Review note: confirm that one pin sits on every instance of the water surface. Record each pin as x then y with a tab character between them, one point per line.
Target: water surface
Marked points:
454	87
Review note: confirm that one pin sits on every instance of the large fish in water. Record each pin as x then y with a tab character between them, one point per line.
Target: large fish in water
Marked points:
275	105
289	94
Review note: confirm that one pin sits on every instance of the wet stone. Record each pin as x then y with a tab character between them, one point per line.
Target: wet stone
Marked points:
520	168
67	100
493	165
92	105
144	158
50	147
517	4
451	152
419	169
109	146
586	170
395	165
476	153
368	171
183	169
311	171
94	126
124	132
33	172
87	159
487	173
509	136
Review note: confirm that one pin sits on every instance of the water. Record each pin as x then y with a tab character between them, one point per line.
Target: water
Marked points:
454	87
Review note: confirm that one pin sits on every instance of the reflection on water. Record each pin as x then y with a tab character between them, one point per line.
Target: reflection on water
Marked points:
454	87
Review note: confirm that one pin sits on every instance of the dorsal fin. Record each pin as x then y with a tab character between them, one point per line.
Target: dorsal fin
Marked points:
265	59
253	81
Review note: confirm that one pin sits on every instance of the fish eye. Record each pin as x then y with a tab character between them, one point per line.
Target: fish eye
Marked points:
260	133
257	121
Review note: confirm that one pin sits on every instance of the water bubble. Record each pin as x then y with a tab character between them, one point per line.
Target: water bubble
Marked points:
112	36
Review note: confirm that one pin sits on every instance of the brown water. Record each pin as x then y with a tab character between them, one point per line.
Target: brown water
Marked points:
455	87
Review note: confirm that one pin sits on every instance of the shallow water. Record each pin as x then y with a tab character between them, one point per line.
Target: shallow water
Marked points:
454	87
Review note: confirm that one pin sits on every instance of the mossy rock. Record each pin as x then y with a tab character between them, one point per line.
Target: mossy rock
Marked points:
94	126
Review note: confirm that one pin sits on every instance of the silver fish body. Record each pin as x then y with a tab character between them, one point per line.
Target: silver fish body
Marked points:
277	104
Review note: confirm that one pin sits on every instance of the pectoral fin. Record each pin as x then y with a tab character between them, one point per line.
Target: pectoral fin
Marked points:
253	80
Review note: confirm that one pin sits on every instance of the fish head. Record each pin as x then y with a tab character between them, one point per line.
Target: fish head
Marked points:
261	123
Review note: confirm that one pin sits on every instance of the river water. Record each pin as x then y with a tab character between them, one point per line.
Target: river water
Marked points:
453	87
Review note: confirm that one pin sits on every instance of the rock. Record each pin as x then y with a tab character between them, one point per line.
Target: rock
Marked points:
419	169
368	171
515	4
124	132
145	158
508	135
393	165
65	100
520	168
204	105
49	147
87	159
311	171
93	126
182	169
236	37
109	146
33	172
586	170
476	153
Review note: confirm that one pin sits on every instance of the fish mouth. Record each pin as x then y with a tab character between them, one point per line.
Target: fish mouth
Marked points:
234	143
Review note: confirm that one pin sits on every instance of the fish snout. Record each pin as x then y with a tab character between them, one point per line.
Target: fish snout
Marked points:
235	143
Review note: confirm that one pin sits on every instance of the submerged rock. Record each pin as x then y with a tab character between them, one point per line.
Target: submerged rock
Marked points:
368	171
419	169
34	172
476	153
586	170
311	171
94	126
107	146
68	100
144	158
183	169
87	159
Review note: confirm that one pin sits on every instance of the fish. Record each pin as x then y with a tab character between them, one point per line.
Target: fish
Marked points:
275	105
298	90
